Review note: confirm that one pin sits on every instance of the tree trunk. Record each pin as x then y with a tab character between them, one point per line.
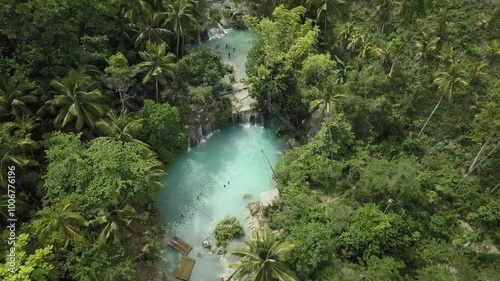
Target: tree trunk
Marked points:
491	192
429	118
329	129
157	95
122	99
474	168
478	154
392	66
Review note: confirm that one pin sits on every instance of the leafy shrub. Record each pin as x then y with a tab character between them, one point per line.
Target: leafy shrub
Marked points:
228	229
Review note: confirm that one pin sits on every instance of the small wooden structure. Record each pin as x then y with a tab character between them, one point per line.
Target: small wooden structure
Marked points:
185	268
180	246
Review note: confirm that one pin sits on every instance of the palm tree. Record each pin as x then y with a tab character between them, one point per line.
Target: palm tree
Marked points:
122	127
180	16
426	46
262	259
447	82
153	173
116	221
157	64
492	50
63	220
13	148
325	102
79	99
13	99
342	70
136	10
383	11
149	30
335	7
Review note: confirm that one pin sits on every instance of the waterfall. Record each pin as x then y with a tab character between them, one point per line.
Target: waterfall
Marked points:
199	135
189	143
245	117
216	32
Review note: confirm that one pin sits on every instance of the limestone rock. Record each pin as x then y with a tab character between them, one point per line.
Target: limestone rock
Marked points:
221	251
206	244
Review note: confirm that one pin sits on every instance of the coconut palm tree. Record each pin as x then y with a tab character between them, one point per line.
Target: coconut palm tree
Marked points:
116	220
180	16
122	127
136	10
153	173
426	46
383	11
63	220
13	98
492	51
79	99
13	148
447	83
262	259
326	8
326	103
149	30
157	64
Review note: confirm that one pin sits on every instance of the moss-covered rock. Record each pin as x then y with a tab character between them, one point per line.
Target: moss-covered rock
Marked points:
228	229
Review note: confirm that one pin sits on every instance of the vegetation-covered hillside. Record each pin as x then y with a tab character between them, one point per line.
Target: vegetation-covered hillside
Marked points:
94	99
401	182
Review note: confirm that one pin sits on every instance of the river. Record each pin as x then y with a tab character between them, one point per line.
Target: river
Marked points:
207	183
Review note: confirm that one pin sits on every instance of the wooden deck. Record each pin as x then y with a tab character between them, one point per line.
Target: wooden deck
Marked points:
180	246
185	268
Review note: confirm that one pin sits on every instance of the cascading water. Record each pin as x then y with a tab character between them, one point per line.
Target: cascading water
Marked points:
216	32
199	135
189	143
245	117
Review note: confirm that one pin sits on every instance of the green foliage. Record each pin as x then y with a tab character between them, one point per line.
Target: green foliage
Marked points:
158	65
313	246
373	233
263	257
79	100
15	144
102	171
162	129
228	229
396	180
92	262
36	264
274	56
60	218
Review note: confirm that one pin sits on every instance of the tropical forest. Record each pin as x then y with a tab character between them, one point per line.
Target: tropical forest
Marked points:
250	140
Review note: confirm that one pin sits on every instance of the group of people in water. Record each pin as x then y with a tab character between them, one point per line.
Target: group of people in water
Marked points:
228	47
204	203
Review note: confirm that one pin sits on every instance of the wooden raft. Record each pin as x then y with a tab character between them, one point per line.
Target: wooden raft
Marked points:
180	246
185	268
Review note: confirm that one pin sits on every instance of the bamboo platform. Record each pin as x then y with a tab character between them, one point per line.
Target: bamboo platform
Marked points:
185	268
180	246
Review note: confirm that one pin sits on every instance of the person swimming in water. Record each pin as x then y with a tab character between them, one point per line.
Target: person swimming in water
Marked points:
234	50
224	185
229	55
227	182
